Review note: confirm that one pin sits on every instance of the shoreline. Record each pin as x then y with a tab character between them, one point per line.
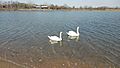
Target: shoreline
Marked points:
116	10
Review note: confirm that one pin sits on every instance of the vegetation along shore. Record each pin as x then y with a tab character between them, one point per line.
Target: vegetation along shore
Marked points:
18	6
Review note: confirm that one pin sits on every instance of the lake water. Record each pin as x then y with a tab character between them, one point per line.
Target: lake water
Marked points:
24	41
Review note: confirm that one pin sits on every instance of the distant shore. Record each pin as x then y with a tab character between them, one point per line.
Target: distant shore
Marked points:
92	10
60	9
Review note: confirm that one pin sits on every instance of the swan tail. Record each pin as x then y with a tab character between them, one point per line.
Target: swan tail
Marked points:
48	36
67	33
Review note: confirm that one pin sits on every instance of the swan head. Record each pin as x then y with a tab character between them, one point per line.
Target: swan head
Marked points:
61	32
77	27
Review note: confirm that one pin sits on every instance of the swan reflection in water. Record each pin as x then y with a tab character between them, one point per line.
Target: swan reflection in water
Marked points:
55	42
76	38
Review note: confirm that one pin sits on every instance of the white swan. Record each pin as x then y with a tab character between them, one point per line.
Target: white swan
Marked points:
72	33
55	38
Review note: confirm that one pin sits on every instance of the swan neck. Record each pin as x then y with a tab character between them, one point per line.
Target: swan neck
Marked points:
60	35
77	30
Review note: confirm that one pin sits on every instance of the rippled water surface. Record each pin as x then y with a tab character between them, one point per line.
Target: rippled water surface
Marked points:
24	41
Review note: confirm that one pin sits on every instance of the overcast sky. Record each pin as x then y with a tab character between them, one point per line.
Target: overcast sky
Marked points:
77	3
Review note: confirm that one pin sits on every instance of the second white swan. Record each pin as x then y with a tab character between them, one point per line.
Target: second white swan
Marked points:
56	38
72	33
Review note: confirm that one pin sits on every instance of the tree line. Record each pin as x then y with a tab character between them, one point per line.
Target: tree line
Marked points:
17	5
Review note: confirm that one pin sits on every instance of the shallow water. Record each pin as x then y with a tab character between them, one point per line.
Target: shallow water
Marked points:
23	38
